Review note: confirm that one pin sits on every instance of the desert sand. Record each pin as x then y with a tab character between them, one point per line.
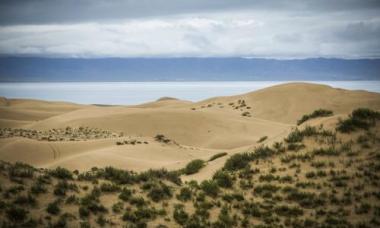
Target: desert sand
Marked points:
196	130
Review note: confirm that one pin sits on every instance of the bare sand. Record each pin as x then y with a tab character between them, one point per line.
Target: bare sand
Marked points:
196	130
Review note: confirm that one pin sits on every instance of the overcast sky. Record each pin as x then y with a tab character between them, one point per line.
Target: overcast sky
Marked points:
191	28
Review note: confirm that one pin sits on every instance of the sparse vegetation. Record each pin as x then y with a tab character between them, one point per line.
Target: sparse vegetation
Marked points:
361	118
218	155
317	113
315	177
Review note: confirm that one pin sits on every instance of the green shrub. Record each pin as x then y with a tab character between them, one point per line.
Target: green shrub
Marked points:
224	219
61	173
107	187
125	194
210	187
218	155
25	200
317	113
237	161
16	214
21	170
194	166
53	208
180	215
294	136
287	211
184	194
223	179
159	192
361	118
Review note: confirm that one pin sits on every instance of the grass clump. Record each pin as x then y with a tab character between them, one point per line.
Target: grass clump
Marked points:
218	155
317	113
194	166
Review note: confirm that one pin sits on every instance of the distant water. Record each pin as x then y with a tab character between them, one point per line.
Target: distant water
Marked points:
140	92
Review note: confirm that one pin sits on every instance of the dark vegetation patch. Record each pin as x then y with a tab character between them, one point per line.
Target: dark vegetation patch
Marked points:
315	114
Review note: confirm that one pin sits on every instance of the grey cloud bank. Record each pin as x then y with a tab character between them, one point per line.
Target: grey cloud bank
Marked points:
168	28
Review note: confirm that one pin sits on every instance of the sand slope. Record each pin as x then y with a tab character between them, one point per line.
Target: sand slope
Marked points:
198	130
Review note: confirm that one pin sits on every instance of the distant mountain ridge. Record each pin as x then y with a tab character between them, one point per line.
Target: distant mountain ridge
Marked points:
34	69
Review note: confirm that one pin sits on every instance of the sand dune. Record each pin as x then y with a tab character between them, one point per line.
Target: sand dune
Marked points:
198	130
288	102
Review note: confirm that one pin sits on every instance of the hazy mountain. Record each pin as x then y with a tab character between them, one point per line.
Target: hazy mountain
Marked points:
19	69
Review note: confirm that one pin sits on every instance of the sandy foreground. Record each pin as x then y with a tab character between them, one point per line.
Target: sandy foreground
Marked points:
195	130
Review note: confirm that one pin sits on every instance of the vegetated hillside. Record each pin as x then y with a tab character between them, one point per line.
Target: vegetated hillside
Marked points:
316	177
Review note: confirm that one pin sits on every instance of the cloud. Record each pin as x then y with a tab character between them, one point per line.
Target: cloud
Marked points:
171	28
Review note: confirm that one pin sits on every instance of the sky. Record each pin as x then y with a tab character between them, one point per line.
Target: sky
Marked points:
197	28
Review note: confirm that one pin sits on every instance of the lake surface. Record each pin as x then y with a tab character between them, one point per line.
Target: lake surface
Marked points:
140	92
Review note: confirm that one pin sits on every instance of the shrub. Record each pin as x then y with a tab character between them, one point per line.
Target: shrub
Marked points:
288	211
224	219
194	166
223	179
161	138
210	187
180	215
361	118
61	173
62	187
184	194
107	187
237	161
25	200
294	136
218	155
20	170
38	188
125	194
53	208
16	214
160	192
317	113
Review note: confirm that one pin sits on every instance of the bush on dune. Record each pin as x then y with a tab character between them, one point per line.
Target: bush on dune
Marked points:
194	166
218	155
317	113
361	118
